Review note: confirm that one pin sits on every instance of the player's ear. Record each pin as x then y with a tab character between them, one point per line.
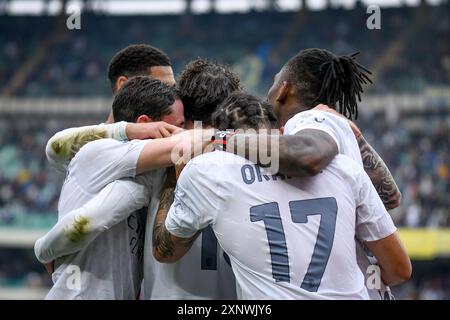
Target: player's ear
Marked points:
120	82
144	119
281	130
283	92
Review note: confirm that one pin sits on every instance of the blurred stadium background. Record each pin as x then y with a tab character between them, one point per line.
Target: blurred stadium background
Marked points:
53	78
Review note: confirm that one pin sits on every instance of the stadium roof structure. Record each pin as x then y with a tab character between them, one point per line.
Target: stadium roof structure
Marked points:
162	7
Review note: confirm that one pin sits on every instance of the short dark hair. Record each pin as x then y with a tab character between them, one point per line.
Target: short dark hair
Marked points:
135	60
242	110
322	77
203	85
143	95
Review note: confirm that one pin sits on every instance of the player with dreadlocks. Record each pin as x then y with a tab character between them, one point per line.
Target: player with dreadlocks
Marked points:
306	95
317	78
243	111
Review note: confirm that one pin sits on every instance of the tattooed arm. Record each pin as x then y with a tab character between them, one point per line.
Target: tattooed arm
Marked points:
193	205
306	153
379	175
167	247
302	154
373	165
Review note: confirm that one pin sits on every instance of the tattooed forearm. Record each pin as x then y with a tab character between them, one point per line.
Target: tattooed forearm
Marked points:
162	242
166	200
304	154
167	247
380	175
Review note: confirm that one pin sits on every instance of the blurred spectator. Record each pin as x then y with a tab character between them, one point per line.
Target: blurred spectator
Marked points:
29	188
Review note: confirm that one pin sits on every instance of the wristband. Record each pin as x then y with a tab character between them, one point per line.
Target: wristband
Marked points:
118	131
219	140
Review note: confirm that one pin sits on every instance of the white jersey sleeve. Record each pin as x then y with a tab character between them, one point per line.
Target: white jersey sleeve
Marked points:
63	146
310	120
103	161
373	222
197	200
78	228
337	127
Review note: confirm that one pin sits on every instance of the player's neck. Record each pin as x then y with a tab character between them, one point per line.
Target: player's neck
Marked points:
290	112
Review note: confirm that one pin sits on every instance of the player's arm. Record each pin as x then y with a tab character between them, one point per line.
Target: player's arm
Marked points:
380	175
374	166
302	154
184	212
374	227
78	228
166	246
104	161
306	153
101	162
63	146
162	153
395	265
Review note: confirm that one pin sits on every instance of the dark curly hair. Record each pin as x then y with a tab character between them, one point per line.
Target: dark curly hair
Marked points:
143	95
135	60
241	110
322	77
203	85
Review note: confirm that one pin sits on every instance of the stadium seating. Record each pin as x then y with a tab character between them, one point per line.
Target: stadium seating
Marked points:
76	64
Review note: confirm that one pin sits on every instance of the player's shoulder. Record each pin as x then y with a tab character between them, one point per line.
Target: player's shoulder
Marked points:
319	116
311	114
213	164
109	144
101	149
311	117
96	146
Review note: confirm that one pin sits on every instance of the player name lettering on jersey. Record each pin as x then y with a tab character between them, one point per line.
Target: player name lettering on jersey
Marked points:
253	173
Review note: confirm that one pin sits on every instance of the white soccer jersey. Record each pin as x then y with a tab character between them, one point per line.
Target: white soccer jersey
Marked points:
336	126
78	228
110	267
110	207
339	129
286	238
204	273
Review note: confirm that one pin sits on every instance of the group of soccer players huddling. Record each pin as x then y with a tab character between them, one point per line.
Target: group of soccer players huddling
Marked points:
135	224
